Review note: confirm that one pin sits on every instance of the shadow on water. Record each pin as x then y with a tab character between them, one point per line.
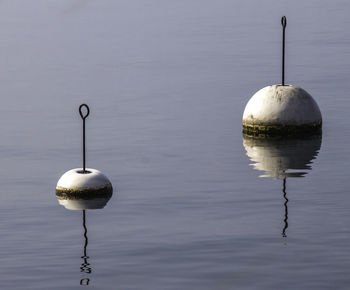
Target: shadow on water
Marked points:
281	159
84	205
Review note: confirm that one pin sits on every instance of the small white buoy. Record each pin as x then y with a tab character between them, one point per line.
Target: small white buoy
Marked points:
282	109
82	184
77	184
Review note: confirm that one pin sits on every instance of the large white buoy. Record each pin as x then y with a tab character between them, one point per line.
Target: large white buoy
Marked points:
83	183
282	109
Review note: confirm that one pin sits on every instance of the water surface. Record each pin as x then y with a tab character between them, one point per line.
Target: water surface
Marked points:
167	82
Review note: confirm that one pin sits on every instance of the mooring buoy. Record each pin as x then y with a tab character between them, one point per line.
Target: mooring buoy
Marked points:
282	109
83	183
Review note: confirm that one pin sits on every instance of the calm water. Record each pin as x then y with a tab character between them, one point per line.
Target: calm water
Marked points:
167	82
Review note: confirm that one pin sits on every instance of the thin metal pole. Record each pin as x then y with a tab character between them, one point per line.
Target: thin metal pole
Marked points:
284	24
84	117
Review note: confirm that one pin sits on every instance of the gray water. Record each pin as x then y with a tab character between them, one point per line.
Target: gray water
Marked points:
167	82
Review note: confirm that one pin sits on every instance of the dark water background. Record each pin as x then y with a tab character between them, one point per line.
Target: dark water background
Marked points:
167	82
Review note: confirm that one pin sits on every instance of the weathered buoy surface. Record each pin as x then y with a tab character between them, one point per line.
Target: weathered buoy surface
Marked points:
77	184
282	110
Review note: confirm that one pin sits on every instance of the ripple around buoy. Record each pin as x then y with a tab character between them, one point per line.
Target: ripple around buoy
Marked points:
77	184
282	110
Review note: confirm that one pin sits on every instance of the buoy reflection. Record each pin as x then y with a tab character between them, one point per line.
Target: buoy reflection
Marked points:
281	159
85	266
84	205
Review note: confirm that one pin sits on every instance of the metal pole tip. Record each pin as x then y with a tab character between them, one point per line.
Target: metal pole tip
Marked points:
284	21
82	115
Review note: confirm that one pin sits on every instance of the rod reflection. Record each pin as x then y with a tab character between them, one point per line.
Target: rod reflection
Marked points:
83	205
285	209
281	159
85	266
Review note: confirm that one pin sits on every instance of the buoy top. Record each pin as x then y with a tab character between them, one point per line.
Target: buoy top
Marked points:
281	106
76	179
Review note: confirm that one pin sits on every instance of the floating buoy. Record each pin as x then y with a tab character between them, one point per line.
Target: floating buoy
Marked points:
83	187
77	191
282	109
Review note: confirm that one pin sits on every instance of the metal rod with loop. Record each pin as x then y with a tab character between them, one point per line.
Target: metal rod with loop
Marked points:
284	24
84	116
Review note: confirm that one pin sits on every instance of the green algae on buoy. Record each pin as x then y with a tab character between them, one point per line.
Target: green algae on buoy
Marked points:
75	191
74	184
282	110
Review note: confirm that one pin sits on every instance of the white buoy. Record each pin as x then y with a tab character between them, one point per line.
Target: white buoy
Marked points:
282	109
83	183
76	184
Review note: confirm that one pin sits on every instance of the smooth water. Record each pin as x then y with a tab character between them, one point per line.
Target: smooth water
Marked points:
167	82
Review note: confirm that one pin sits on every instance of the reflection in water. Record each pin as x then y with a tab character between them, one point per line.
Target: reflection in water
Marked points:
83	204
85	266
285	209
282	158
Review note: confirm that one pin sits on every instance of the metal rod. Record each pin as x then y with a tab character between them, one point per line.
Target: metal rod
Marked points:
284	24
84	117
